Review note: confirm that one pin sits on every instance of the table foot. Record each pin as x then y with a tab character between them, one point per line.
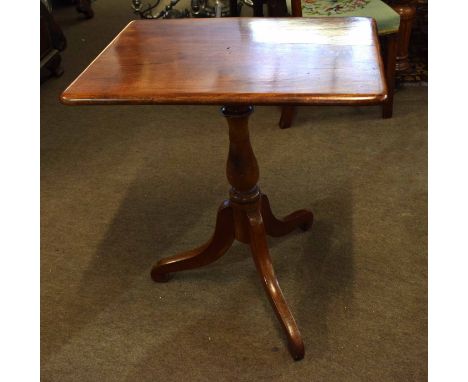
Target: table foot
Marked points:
209	252
275	227
262	259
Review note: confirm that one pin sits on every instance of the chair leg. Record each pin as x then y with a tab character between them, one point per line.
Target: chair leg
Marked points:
287	115
390	62
407	12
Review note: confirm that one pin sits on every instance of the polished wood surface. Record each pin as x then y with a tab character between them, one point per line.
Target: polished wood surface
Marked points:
288	112
237	61
247	217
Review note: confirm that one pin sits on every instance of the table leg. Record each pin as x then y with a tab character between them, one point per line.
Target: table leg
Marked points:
274	227
209	252
262	259
247	217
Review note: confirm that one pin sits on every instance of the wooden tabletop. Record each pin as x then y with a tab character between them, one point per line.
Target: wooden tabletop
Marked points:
257	61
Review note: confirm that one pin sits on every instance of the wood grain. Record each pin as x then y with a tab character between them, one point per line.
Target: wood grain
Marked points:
236	61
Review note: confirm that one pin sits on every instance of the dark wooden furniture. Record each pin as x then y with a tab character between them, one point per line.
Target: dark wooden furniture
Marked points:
84	7
276	8
419	34
407	11
52	43
335	61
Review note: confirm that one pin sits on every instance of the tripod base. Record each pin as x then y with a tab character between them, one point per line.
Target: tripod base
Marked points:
248	223
246	217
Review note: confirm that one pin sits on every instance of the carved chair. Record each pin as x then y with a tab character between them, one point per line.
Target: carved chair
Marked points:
388	23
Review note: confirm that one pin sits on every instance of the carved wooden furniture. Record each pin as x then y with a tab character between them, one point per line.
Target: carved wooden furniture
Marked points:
387	25
52	42
407	11
304	62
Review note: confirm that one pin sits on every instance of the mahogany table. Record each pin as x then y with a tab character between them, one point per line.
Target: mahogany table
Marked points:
239	62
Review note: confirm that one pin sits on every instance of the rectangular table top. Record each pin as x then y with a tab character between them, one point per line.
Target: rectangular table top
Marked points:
256	61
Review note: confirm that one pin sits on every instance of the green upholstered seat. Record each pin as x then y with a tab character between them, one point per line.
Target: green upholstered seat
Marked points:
388	21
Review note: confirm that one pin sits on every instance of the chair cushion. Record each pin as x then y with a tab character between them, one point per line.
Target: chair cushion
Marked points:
388	21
